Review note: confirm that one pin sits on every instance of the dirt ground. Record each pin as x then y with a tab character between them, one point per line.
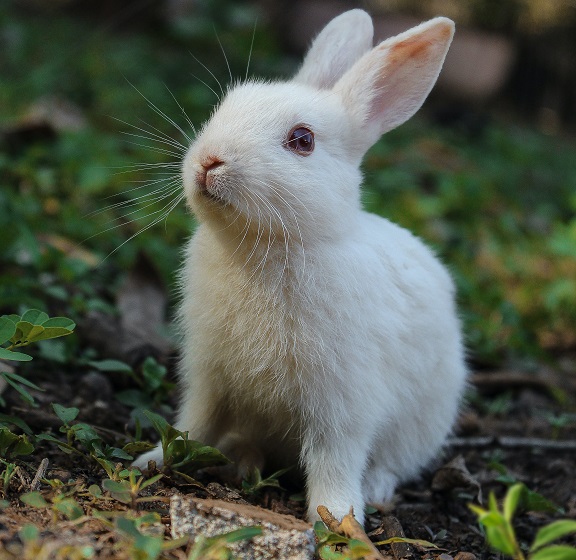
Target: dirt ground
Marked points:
512	430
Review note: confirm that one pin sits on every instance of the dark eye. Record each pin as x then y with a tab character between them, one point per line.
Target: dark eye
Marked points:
300	140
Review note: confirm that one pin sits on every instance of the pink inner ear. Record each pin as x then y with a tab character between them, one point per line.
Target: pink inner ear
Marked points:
408	70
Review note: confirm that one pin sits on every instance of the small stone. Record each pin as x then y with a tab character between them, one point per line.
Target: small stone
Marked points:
284	537
465	556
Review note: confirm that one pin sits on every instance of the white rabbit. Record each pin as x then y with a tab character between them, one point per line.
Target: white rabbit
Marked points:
312	330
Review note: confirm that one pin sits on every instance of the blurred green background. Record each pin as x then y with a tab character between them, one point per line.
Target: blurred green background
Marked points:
489	182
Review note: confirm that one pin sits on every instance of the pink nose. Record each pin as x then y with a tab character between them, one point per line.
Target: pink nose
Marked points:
205	177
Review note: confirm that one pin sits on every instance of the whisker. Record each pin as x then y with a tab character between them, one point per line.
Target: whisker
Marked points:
162	137
225	57
143	185
175	203
190	123
128	214
251	47
211	73
170	187
161	113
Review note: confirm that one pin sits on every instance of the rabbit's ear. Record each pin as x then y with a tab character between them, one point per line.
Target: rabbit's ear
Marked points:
389	84
338	46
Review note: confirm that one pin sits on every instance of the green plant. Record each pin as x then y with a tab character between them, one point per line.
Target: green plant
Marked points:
61	503
17	331
254	483
530	500
179	452
216	548
10	470
501	535
12	444
559	421
95	448
329	542
151	380
127	490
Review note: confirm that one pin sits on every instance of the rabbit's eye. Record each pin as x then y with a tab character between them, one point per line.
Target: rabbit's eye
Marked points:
300	140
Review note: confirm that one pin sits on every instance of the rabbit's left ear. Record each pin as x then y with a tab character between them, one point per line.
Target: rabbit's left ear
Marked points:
339	45
389	84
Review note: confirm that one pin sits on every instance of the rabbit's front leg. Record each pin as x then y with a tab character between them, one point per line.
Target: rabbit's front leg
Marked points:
334	462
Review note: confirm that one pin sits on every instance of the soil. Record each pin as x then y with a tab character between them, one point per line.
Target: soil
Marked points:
512	425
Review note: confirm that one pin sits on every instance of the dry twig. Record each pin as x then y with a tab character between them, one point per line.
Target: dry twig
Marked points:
42	468
350	528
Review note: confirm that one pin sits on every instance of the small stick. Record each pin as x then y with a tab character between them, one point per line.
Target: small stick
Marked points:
42	468
350	528
392	528
514	442
329	520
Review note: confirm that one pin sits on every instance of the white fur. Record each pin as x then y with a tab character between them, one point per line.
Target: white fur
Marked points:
314	331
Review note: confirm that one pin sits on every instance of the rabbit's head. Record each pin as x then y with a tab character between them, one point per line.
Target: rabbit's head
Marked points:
285	157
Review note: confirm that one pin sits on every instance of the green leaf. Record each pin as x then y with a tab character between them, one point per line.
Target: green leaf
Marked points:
26	396
61	444
118	453
16	356
34	499
22	380
194	455
47	333
29	533
557	552
7	419
499	539
160	425
419	542
492	519
67	415
95	490
511	500
118	490
127	526
153	373
69	508
7	329
35	316
111	365
242	534
534	501
12	444
25	331
147	547
552	532
151	481
60	322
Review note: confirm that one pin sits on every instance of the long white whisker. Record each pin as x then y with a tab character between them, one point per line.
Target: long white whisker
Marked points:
128	214
155	149
175	203
250	53
190	123
166	190
225	57
162	137
161	113
211	73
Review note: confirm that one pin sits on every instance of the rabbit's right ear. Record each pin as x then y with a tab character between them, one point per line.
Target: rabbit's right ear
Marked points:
338	46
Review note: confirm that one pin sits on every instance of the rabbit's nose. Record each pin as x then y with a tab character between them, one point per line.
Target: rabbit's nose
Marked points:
205	176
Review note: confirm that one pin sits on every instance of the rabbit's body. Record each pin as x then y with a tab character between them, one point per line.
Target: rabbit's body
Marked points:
314	331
